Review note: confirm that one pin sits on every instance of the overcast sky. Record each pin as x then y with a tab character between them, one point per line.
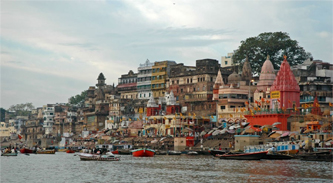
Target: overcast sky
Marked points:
52	50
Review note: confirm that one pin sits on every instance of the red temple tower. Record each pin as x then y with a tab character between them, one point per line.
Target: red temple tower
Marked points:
285	92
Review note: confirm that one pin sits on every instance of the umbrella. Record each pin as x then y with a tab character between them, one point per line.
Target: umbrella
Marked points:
154	141
257	126
275	135
250	130
220	127
244	124
266	126
162	138
271	133
202	133
216	132
210	131
276	123
187	128
237	126
247	127
285	134
231	131
308	131
223	131
232	127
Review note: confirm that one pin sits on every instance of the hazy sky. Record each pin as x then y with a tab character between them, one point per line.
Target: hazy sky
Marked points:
52	50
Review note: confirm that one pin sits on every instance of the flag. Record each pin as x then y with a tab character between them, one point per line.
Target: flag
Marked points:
296	108
247	103
189	114
317	105
194	114
289	101
279	100
236	109
230	115
164	118
259	103
181	115
256	102
267	101
262	99
330	104
19	136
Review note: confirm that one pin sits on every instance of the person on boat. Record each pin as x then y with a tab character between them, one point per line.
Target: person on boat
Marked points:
220	147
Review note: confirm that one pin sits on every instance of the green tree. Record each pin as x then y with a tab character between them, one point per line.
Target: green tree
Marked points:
274	44
78	99
21	109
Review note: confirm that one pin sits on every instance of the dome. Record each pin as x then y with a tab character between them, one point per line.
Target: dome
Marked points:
234	78
267	76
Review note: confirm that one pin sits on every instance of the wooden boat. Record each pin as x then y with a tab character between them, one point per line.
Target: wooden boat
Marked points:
115	152
145	152
46	152
94	157
158	152
317	156
203	152
124	151
278	156
192	153
25	151
174	153
9	154
215	152
70	151
243	156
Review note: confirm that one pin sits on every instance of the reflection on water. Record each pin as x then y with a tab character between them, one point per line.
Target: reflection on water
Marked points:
63	167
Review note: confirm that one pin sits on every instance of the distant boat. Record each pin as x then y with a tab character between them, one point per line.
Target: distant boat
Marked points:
9	154
70	151
159	152
145	152
316	156
46	152
94	157
278	156
25	151
115	152
243	156
192	153
174	153
216	152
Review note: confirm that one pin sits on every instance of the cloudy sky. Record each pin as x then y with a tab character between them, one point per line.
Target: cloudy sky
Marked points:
52	50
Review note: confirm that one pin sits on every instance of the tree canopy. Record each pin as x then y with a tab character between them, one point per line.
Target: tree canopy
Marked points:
2	114
78	99
21	109
274	44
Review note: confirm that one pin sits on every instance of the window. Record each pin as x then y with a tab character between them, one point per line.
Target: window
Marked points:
225	62
222	107
194	89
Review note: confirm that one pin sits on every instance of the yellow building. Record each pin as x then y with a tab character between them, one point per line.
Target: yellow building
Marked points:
160	74
5	130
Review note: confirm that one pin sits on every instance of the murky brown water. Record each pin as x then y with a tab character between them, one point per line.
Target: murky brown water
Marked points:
63	167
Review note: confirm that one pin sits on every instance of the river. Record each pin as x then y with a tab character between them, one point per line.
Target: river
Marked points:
67	168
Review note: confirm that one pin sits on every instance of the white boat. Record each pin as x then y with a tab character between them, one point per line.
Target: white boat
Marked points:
97	157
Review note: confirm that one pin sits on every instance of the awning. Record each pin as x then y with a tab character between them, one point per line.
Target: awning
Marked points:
275	135
308	131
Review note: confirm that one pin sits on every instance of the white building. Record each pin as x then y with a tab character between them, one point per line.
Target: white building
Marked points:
144	80
48	117
227	61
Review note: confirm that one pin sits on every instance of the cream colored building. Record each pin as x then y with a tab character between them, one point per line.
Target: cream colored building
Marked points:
226	61
6	130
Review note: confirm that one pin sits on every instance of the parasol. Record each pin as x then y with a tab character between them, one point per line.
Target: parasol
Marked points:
276	123
202	133
231	131
231	127
245	124
285	134
275	135
216	132
267	126
271	133
257	126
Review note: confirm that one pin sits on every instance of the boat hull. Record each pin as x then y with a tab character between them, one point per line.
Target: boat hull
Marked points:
115	152
46	152
9	154
244	156
216	152
277	157
97	158
174	153
70	151
25	151
143	153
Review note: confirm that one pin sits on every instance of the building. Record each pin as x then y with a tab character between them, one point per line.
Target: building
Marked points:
48	118
226	61
144	80
127	85
160	74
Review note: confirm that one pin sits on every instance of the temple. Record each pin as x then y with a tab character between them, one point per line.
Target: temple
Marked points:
285	93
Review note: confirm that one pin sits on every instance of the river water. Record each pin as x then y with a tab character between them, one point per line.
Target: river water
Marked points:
67	168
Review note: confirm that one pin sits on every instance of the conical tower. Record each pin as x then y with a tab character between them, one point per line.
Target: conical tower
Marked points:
285	92
218	82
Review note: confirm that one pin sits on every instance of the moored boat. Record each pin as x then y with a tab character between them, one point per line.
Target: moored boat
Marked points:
215	152
316	156
243	156
159	152
70	151
174	153
192	153
9	154
95	157
124	151
25	151
115	152
46	152
145	152
278	156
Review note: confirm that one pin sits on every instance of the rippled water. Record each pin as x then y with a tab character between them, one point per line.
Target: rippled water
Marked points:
63	167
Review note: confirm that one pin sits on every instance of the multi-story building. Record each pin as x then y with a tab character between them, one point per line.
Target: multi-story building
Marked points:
315	78
193	86
60	124
127	85
48	115
144	80
160	74
226	61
